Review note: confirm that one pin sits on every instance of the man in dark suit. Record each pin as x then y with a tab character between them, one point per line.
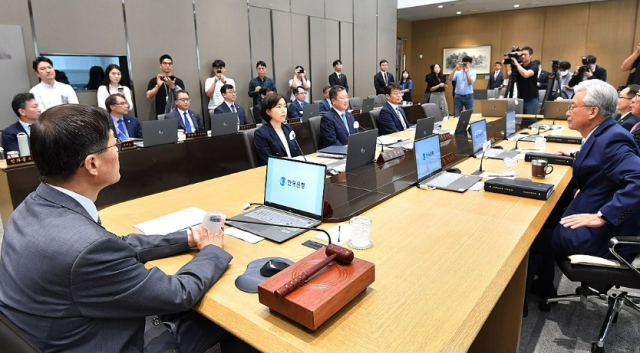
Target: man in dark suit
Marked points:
27	109
382	78
124	126
325	104
337	124
606	171
496	78
624	115
392	118
188	120
635	110
297	106
229	105
71	285
338	78
543	76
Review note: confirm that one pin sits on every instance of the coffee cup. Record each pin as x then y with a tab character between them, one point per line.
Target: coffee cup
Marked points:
540	168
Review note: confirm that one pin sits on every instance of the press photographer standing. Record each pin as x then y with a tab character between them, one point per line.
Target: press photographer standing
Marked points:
588	71
526	75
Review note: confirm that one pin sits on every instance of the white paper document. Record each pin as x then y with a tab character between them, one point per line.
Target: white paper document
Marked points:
173	222
342	229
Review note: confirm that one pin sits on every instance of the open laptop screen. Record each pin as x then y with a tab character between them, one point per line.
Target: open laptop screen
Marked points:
478	134
511	123
295	186
427	151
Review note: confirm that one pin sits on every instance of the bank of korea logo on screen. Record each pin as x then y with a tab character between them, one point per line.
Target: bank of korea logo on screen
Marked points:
292	183
478	133
427	155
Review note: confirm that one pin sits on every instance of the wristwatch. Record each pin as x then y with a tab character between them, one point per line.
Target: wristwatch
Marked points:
599	214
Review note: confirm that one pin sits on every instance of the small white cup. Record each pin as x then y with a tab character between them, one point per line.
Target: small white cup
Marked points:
541	143
509	166
360	233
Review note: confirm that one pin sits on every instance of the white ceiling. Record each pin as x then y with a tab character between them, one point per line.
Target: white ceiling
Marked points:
468	7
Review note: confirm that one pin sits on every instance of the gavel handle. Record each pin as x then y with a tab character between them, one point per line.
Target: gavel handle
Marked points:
306	274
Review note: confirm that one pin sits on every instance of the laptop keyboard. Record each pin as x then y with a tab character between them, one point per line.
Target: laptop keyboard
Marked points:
443	180
270	216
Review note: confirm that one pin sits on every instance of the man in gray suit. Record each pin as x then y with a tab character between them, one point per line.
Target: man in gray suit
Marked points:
73	286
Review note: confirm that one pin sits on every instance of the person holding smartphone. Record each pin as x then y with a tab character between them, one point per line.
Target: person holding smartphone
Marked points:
164	86
214	83
111	85
299	79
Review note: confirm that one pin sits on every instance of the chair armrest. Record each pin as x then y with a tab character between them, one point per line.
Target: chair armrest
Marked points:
613	242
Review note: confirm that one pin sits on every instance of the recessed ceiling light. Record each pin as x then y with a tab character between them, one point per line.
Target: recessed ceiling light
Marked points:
440	6
459	13
516	5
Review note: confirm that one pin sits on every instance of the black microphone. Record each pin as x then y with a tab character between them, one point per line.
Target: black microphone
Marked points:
518	140
479	171
292	136
281	225
381	144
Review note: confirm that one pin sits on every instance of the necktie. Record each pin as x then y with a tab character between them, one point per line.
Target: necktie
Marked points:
635	127
121	130
29	130
496	76
338	77
385	78
401	118
233	108
187	124
346	126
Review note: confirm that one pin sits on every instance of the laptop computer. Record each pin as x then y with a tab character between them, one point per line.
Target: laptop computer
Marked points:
429	168
423	128
360	151
224	124
479	137
309	111
367	105
293	195
158	132
494	107
480	94
556	109
510	121
463	122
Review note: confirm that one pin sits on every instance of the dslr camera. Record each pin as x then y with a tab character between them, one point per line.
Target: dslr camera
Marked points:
515	53
586	61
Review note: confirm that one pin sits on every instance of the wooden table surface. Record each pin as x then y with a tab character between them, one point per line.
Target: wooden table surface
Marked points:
444	262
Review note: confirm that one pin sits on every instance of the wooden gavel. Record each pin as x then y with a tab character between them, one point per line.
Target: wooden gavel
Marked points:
333	252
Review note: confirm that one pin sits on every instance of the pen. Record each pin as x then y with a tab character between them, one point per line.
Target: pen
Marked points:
339	229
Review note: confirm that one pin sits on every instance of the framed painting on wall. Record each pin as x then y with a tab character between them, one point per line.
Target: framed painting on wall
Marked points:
481	55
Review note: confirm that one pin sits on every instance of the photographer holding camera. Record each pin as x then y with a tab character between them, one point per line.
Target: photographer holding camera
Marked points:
589	70
463	79
299	79
526	76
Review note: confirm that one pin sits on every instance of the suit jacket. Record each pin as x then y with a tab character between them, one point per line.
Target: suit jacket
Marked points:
295	109
195	117
267	143
70	285
607	172
333	131
134	129
378	81
495	83
388	121
10	137
334	81
628	121
324	105
543	79
224	108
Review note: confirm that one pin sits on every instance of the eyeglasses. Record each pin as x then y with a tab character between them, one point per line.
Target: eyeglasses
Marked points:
167	63
571	108
117	145
185	100
231	91
122	104
620	97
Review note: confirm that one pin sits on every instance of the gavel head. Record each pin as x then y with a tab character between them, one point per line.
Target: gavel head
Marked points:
343	256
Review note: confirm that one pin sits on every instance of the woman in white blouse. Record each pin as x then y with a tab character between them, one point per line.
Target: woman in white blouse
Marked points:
111	85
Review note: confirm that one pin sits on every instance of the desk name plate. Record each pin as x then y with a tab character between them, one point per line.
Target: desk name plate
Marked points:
127	145
196	135
19	162
390	154
247	127
294	121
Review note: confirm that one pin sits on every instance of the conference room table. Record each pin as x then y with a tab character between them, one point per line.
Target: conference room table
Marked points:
449	267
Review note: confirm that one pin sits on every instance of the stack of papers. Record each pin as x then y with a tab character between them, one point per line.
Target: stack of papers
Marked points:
389	140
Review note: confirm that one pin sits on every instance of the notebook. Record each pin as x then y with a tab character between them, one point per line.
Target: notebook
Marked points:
224	124
510	121
159	132
424	127
479	137
429	168
463	122
309	111
494	107
480	94
367	105
360	151
556	109
293	196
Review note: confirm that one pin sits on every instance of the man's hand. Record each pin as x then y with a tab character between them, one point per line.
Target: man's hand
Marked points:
582	220
201	237
565	153
159	80
257	89
465	68
588	74
171	83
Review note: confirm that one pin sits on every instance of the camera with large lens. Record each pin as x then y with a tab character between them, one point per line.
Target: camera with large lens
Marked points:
555	65
515	53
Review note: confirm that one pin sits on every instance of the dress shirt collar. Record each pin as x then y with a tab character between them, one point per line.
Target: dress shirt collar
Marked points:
339	112
395	107
625	114
26	127
87	204
182	112
230	105
300	102
589	135
44	85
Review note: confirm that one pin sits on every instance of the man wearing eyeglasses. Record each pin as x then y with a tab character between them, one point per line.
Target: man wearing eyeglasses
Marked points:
164	86
229	104
392	118
71	285
297	106
188	120
606	170
624	116
124	126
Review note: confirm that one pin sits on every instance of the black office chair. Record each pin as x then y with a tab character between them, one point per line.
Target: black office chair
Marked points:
431	109
314	124
355	103
250	118
257	118
13	340
425	98
161	116
248	144
607	280
317	102
374	117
